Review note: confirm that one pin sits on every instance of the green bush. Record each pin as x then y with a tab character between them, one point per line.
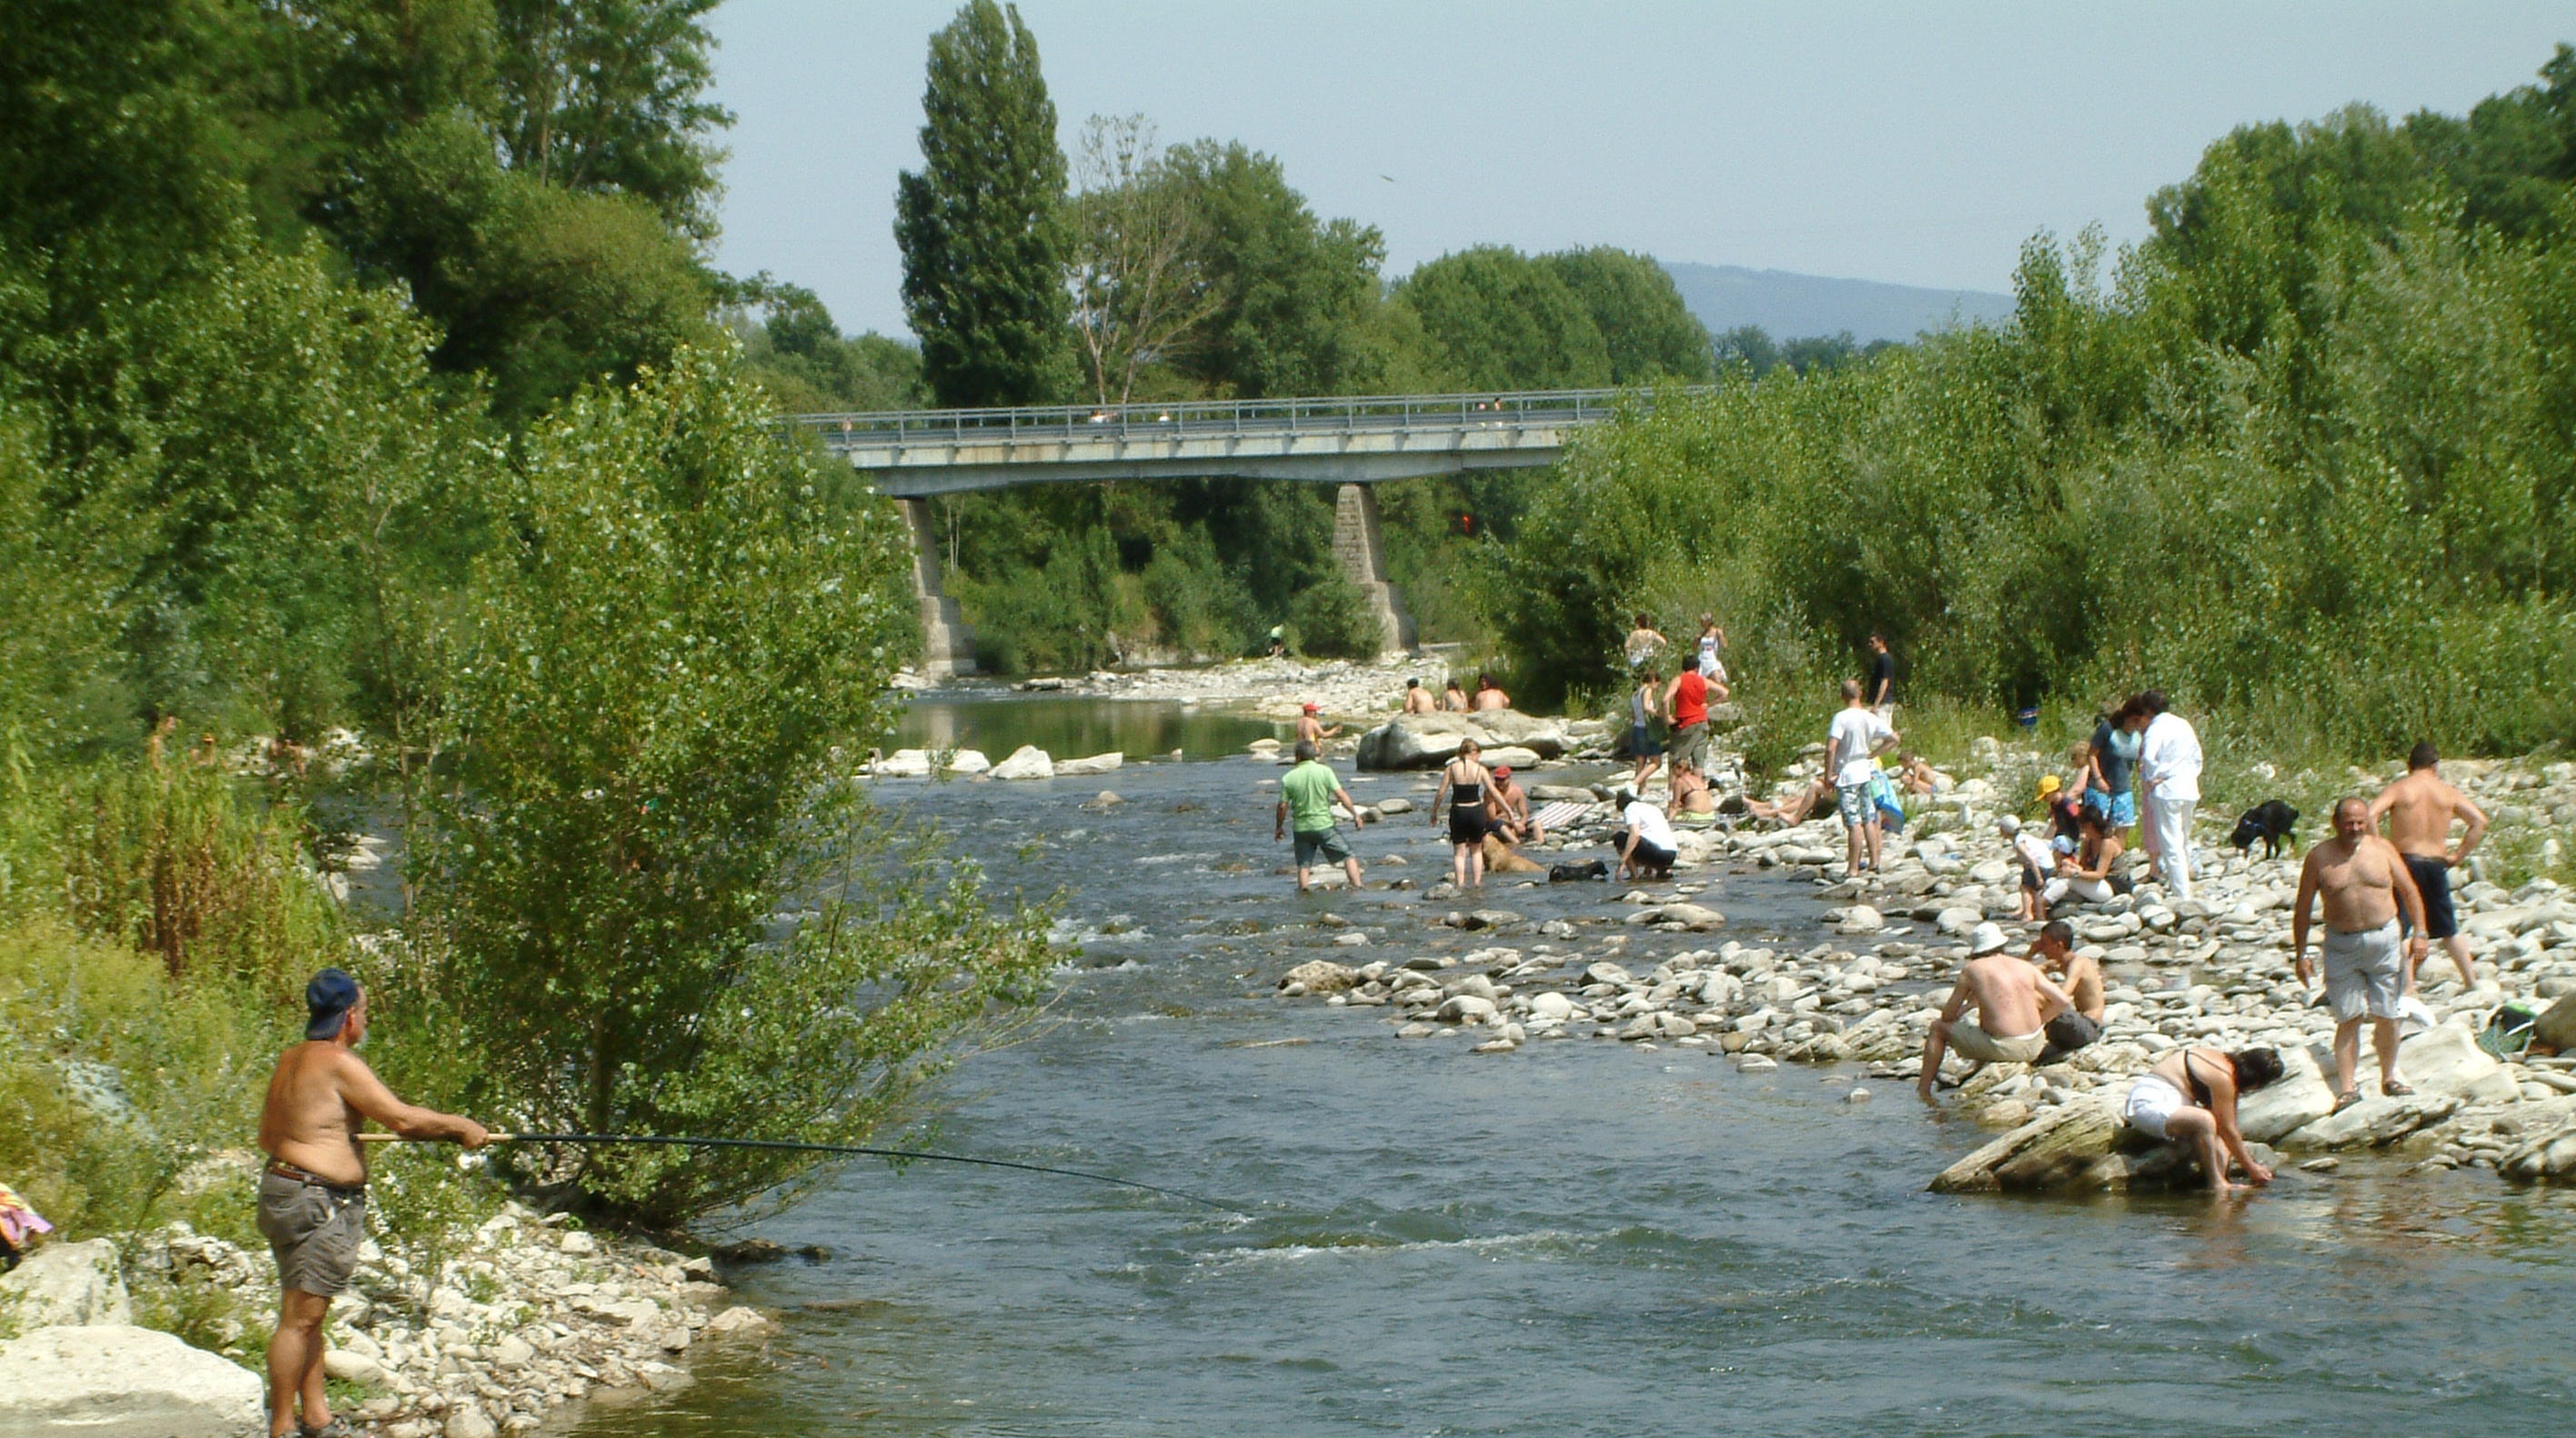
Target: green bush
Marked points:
670	662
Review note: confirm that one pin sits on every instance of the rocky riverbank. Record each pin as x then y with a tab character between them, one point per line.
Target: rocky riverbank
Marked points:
2214	969
519	1318
1343	688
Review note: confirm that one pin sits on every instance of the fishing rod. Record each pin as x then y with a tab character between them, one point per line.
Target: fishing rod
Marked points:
796	1146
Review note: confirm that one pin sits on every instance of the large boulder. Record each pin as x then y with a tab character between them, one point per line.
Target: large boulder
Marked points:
1320	976
1426	741
2374	1122
2299	1097
2447	1060
1026	762
66	1284
118	1381
2551	1156
903	764
2556	1026
2080	1147
1096	764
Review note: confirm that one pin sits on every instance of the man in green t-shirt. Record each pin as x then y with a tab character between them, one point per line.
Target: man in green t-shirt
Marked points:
1307	793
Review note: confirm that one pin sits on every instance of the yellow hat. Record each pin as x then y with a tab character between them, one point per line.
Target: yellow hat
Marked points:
2048	784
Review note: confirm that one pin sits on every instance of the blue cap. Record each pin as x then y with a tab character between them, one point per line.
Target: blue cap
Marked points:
328	1000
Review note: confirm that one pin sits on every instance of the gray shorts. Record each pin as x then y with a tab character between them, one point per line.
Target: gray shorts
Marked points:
2364	975
1324	843
313	1230
1854	802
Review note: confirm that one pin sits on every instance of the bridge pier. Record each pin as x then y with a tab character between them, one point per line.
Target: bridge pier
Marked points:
948	646
1360	546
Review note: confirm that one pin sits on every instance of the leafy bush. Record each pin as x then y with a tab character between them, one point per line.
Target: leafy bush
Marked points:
1332	620
671	660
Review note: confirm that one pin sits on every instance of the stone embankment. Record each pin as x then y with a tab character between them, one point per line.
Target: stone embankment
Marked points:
2211	970
522	1317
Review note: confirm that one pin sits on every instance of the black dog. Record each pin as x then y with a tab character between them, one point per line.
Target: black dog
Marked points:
2273	821
1570	873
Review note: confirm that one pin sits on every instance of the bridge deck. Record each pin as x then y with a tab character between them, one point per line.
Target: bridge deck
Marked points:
1346	440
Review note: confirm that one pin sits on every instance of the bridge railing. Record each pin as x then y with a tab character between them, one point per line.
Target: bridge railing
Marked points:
1376	414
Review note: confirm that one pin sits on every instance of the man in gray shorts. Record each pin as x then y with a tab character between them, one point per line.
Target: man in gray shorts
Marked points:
313	1194
2363	882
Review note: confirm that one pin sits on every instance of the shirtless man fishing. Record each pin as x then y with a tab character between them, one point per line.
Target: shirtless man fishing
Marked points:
2419	809
313	1194
2363	881
2014	1001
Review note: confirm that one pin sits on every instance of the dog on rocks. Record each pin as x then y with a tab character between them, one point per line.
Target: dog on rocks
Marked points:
2273	821
1572	873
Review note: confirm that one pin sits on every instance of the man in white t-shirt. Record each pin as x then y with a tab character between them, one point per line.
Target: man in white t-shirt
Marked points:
2169	773
1646	847
1857	735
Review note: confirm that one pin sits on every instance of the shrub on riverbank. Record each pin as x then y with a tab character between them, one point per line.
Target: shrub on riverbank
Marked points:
2305	463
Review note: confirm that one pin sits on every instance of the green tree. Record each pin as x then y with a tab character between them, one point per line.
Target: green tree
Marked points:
1651	335
981	223
1293	300
610	95
1498	320
672	658
808	366
1139	282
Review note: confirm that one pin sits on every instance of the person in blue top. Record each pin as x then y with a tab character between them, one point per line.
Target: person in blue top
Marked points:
1307	794
2111	766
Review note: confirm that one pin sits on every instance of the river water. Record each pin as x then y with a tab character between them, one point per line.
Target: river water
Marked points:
1583	1236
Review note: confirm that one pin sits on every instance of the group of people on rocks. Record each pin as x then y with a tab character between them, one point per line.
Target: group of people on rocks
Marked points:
1454	700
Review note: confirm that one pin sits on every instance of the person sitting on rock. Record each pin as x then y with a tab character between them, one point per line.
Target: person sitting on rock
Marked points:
1646	847
2078	1026
2010	1027
1510	810
2214	1080
1794	811
2086	875
1453	699
1691	791
1919	778
1417	700
1489	695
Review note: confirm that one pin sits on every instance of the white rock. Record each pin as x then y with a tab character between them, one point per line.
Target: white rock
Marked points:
1026	762
66	1284
468	1420
741	1322
1861	919
1552	1006
968	761
903	764
350	1366
118	1381
1464	1009
1096	764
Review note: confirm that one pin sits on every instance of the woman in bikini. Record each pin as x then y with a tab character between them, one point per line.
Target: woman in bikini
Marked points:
2191	1098
1464	783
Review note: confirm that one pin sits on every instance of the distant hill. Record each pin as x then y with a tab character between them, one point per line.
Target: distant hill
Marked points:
1794	306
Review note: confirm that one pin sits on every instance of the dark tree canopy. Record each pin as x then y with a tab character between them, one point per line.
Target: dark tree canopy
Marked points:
1497	319
980	224
1650	334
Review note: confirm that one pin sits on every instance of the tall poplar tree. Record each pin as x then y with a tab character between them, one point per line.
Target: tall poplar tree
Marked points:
980	225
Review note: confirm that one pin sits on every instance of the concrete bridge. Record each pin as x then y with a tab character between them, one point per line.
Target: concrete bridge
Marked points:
1349	442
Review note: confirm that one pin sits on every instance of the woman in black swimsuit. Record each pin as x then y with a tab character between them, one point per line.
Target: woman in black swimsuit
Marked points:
1464	783
2213	1079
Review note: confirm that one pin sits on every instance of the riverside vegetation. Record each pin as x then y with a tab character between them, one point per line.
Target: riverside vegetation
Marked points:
378	478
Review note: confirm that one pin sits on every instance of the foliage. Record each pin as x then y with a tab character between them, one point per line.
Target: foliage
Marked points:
607	96
1331	619
1139	288
2303	461
981	223
1753	348
167	860
808	366
672	656
1650	335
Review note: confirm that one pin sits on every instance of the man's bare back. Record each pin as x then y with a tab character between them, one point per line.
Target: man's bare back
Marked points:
2420	809
2007	994
2355	881
2083	984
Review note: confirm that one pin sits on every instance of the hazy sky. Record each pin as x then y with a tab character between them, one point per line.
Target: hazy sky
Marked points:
1919	143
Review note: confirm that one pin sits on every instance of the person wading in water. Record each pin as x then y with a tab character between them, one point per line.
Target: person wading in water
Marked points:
313	1193
1463	784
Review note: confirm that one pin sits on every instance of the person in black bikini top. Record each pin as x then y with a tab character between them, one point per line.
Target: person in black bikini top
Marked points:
2156	1106
1463	784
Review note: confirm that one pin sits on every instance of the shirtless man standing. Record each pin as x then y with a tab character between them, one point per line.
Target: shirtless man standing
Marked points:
2010	994
2364	882
1312	730
313	1194
2419	809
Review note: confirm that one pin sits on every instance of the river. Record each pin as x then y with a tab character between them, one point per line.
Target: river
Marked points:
1582	1236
